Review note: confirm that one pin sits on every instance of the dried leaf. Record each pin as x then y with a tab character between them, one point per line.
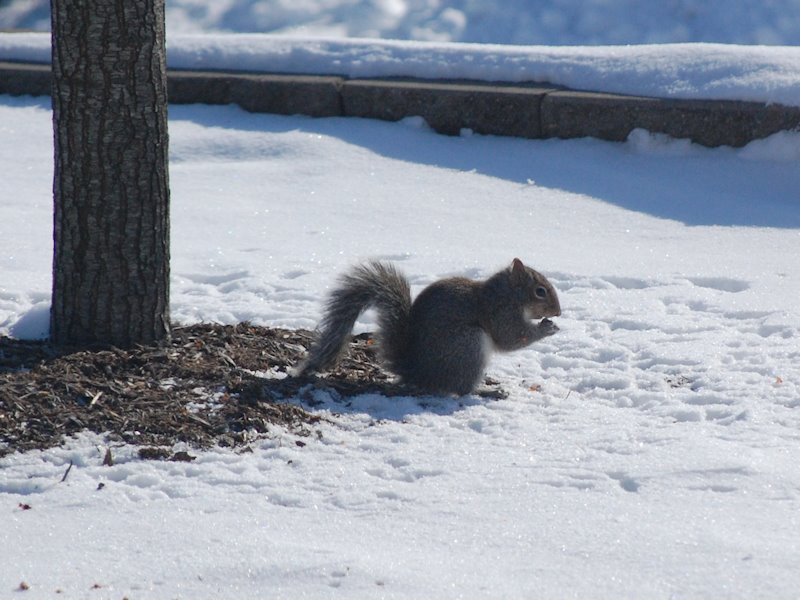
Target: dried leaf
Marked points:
151	453
182	457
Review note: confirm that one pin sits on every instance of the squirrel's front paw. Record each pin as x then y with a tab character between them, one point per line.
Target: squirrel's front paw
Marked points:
547	327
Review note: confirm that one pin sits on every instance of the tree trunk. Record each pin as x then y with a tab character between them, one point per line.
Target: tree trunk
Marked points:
111	190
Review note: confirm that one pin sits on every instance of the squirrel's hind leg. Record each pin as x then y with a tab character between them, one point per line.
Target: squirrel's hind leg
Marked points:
452	367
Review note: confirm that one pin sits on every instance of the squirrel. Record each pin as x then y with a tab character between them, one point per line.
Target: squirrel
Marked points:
441	342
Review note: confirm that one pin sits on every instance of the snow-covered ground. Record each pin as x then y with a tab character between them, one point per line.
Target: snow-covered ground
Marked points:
649	449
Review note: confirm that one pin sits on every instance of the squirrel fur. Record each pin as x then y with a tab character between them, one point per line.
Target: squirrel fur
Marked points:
441	342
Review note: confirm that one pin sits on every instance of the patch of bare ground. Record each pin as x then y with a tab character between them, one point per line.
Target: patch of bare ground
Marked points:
209	385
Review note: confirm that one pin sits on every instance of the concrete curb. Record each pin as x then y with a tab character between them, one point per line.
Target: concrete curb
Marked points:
529	111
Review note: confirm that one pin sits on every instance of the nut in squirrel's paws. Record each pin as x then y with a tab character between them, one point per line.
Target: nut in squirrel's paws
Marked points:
548	327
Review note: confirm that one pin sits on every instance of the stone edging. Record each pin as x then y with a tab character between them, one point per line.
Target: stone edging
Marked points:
530	111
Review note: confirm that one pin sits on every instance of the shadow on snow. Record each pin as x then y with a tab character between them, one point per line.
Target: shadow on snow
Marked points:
663	178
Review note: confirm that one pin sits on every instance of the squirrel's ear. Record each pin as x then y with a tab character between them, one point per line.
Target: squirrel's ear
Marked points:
517	268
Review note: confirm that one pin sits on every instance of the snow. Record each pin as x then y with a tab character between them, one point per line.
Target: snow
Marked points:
769	74
646	450
691	49
545	22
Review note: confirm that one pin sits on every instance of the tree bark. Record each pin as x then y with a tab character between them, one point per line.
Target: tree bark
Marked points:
111	189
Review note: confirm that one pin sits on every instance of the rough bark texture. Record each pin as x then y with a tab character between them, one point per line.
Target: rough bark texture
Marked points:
111	190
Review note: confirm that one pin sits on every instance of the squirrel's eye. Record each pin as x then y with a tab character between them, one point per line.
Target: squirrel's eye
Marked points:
540	292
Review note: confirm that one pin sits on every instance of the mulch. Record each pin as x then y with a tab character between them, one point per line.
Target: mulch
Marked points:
223	385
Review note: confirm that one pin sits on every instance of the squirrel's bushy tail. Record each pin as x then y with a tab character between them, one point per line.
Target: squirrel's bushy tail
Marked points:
373	284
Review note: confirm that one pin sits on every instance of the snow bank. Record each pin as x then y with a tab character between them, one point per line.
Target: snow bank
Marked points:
548	22
689	71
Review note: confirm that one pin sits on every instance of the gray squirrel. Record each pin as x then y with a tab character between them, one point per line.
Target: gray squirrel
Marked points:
441	342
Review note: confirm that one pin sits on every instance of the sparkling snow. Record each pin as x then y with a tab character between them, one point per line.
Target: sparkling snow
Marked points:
648	449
